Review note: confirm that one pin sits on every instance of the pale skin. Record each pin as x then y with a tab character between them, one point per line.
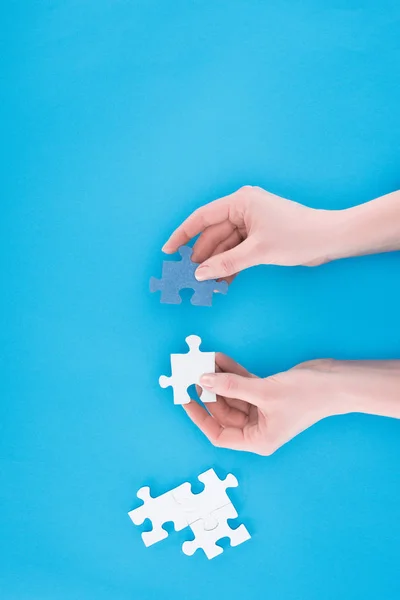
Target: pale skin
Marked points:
252	227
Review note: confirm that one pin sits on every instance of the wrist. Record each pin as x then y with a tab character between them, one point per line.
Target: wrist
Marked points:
330	236
369	228
371	387
340	235
351	231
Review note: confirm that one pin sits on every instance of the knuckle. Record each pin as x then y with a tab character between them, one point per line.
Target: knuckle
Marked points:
319	364
227	266
258	245
229	383
327	364
245	189
216	442
267	450
269	445
259	387
198	211
199	217
248	192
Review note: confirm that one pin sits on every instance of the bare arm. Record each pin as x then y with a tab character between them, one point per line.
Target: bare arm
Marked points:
369	228
371	387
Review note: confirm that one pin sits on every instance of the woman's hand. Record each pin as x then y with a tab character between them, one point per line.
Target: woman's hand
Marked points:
252	227
260	415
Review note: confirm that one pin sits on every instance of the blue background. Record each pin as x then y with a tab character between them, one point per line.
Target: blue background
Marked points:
118	119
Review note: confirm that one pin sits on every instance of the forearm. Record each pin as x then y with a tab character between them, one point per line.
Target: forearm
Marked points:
371	387
369	228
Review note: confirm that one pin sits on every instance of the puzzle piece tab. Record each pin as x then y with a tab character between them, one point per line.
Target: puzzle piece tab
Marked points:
187	370
206	538
202	505
179	275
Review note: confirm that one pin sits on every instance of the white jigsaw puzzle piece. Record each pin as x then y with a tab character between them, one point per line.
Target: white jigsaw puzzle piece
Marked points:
187	369
160	510
203	505
206	538
205	513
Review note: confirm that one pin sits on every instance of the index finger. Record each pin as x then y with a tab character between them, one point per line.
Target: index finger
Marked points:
210	214
228	365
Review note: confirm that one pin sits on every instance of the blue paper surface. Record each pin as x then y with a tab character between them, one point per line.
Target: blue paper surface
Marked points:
118	119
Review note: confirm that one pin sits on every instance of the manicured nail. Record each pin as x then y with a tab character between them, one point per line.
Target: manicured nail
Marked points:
203	272
165	247
207	380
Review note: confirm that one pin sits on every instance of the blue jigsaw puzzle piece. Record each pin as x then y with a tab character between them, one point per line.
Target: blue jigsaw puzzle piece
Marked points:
179	275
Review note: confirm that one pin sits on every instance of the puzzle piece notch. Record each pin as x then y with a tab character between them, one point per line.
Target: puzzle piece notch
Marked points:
187	369
179	275
167	290
206	538
160	510
202	506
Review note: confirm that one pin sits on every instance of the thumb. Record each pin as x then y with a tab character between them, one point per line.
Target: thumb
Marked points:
230	385
227	263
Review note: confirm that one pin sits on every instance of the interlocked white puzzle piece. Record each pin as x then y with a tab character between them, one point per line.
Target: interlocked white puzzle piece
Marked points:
202	505
187	369
159	510
207	538
205	513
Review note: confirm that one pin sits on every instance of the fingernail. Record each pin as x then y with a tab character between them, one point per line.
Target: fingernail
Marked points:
207	380
165	247
203	272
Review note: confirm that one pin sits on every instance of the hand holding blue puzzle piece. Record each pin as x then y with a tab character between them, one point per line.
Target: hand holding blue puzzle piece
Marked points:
179	275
